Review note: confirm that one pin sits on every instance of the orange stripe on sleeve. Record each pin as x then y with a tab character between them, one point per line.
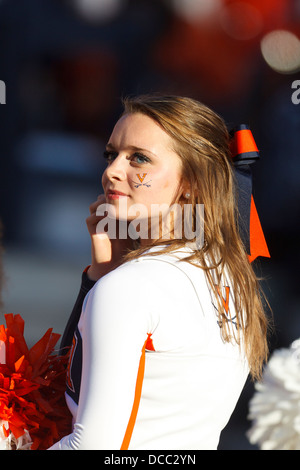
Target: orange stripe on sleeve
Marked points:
136	402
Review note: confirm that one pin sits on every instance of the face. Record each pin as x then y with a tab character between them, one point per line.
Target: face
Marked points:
142	169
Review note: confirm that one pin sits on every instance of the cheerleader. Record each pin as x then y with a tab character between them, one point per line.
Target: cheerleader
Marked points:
171	324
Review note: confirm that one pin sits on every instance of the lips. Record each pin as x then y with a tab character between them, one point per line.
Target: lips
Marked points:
113	194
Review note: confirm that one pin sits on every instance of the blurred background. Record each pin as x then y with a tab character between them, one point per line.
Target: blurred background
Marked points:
65	65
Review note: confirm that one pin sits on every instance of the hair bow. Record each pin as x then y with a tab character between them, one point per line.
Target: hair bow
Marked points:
244	152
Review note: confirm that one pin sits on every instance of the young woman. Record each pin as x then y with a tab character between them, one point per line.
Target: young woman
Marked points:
170	330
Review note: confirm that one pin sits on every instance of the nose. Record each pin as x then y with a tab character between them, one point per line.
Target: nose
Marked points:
116	169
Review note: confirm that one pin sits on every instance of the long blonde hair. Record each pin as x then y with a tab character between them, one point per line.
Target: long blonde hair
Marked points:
201	140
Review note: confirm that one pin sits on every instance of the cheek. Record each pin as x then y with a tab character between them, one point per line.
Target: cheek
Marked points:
164	179
161	191
167	184
155	185
104	179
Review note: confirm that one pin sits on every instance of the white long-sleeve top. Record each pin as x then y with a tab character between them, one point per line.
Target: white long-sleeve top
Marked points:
156	373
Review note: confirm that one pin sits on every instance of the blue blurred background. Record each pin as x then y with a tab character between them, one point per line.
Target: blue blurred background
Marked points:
66	63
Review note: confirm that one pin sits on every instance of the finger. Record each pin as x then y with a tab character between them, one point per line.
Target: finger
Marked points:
100	200
92	219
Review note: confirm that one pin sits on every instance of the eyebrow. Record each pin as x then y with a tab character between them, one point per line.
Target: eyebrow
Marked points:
110	146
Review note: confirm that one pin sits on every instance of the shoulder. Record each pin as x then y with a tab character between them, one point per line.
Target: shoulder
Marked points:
139	275
144	274
153	276
155	264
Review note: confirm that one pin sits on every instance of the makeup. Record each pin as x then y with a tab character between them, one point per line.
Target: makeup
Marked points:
141	179
112	194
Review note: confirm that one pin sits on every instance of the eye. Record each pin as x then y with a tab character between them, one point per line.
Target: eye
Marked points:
139	158
109	155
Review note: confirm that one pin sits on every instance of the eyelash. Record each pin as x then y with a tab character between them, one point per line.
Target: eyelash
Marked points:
109	155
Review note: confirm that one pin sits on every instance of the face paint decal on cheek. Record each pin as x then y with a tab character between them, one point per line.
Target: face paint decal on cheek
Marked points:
141	179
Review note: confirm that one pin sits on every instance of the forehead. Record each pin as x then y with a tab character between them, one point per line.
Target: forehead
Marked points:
141	131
